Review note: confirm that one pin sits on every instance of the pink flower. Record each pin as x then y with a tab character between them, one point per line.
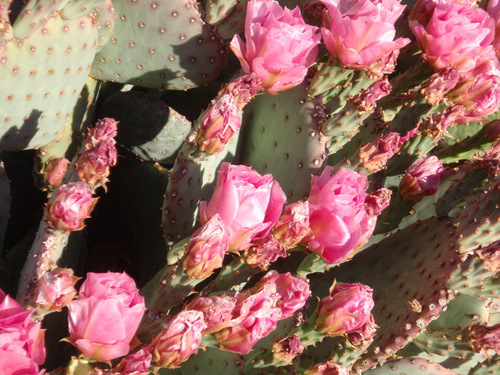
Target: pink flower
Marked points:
249	204
179	340
279	46
55	170
94	163
56	289
292	292
493	10
366	100
338	218
137	363
359	33
72	204
451	34
293	225
103	321
422	178
218	125
104	130
218	311
374	156
264	252
346	310
206	249
327	368
22	348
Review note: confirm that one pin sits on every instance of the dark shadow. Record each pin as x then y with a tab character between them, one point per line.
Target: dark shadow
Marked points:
18	138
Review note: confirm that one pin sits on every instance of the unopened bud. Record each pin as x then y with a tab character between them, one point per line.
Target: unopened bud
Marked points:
374	156
422	178
55	170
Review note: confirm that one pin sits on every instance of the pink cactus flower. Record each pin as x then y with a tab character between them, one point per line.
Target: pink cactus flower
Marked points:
439	84
293	225
327	368
218	125
450	33
493	10
56	289
292	292
218	311
264	252
72	204
422	178
179	340
374	156
104	130
94	163
346	310
22	348
249	204
206	249
137	363
287	349
104	320
338	217
366	100
279	46
359	33
55	170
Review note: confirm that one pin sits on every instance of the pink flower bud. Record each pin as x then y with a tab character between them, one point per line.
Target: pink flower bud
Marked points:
327	368
375	155
345	310
451	34
279	46
359	33
377	201
242	89
104	130
94	163
55	170
292	292
485	338
179	340
22	348
364	335
264	252
286	350
338	217
56	289
366	100
206	249
218	311
105	318
218	125
293	225
72	204
137	363
422	178
249	204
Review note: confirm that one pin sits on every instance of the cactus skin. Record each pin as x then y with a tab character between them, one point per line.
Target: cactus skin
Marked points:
415	366
55	60
228	16
160	44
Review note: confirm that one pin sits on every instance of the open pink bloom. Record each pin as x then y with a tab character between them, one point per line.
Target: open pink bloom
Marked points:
55	170
249	204
22	348
56	289
218	125
292	292
206	249
422	178
346	310
279	46
327	368
338	217
360	32
72	204
181	339
103	321
451	34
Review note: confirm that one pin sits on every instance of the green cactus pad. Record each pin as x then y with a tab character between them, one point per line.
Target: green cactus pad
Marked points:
275	128
489	366
408	272
42	77
148	127
80	8
227	15
407	366
160	44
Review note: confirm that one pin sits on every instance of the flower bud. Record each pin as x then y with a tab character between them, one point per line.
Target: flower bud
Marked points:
264	252
422	178
56	289
366	100
71	206
94	163
327	368
206	249
55	170
286	350
293	225
218	125
346	310
104	130
242	89
374	156
377	201
218	311
179	340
